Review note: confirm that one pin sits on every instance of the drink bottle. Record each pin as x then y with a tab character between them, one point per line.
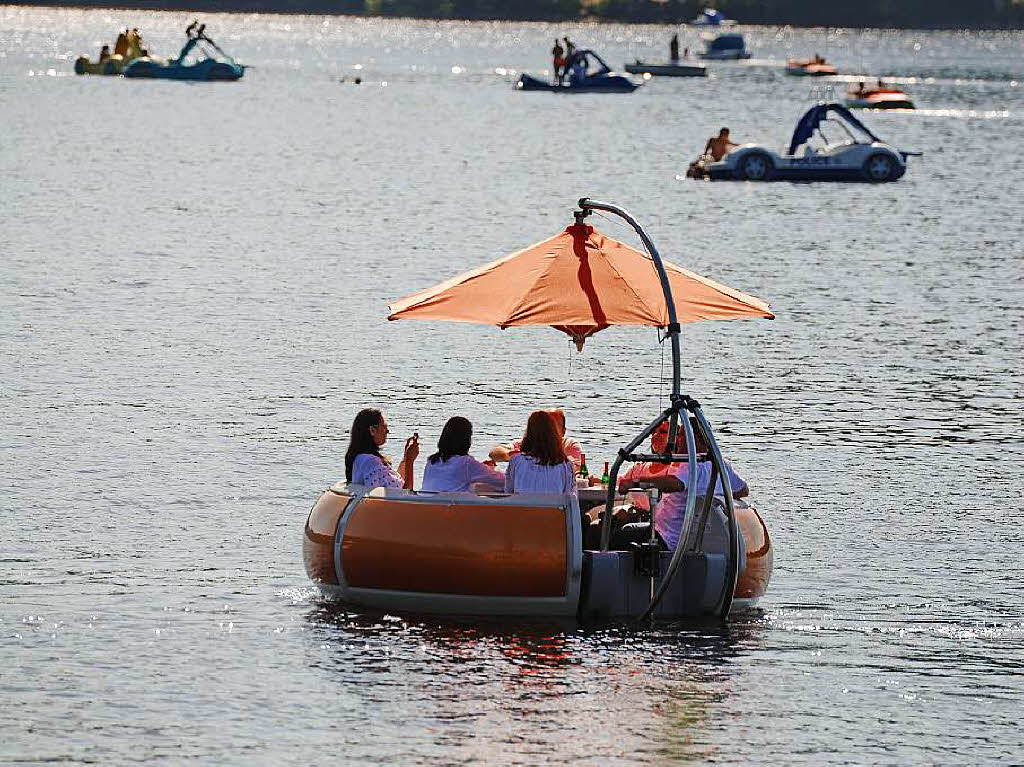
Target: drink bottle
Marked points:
583	466
605	477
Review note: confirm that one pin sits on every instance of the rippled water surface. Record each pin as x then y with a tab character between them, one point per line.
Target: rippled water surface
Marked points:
193	287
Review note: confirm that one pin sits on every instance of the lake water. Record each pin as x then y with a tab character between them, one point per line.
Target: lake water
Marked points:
193	291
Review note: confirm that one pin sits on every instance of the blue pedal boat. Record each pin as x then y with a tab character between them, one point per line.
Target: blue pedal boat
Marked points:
587	73
205	69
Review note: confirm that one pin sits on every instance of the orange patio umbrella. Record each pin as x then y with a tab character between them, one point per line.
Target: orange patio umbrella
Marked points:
579	282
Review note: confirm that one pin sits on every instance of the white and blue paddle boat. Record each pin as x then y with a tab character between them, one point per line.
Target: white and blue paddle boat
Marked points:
586	73
188	66
856	154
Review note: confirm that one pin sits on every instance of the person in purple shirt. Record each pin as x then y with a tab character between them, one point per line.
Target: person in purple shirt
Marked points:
451	468
670	513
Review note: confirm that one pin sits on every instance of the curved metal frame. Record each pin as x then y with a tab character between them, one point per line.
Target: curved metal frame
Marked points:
679	403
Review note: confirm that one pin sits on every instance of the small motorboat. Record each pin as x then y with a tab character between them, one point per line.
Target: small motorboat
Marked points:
460	553
206	68
727	47
667	69
587	73
878	98
816	67
710	17
858	155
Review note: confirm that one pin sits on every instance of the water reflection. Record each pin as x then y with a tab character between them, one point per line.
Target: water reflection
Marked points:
494	688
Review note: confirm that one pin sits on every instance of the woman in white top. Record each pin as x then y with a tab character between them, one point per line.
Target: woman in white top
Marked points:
364	465
452	468
541	466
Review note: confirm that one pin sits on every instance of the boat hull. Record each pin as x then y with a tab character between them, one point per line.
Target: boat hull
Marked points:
667	70
810	70
206	70
724	55
521	555
610	83
881	102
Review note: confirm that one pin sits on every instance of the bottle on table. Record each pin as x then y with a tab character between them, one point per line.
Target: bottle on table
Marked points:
604	477
583	467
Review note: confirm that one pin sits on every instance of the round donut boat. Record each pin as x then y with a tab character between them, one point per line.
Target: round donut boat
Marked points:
465	554
522	554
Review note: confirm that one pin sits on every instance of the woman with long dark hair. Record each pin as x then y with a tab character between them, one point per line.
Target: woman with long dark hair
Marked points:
364	465
541	466
451	467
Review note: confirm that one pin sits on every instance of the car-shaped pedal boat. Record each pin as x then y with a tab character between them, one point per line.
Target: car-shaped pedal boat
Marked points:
207	68
587	73
858	156
464	554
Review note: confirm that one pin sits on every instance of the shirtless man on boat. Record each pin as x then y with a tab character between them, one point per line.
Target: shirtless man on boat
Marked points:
716	148
719	146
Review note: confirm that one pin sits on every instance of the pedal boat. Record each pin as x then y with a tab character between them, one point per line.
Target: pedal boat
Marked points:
858	155
887	98
207	68
599	78
523	555
727	47
809	68
667	69
112	65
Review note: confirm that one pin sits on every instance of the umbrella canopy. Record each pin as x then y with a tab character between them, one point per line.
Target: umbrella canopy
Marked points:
579	282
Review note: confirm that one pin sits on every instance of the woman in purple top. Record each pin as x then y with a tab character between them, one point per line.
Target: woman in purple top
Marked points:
452	468
364	465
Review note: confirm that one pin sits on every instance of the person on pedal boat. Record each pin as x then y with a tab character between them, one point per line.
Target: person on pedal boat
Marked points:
719	146
571	448
670	513
364	464
452	468
541	466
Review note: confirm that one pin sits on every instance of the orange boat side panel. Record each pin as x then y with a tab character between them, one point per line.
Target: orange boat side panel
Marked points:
754	580
318	542
447	548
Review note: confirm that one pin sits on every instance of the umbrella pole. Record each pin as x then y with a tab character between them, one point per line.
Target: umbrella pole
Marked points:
586	206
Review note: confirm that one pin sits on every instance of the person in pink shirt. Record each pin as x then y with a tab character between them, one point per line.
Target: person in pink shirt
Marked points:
502	453
670	513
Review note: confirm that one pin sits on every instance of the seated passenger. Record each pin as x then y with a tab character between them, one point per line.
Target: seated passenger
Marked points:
719	146
452	468
641	472
541	466
364	465
104	53
121	44
638	472
578	69
670	513
502	453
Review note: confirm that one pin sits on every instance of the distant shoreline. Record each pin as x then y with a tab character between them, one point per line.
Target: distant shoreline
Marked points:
1004	14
